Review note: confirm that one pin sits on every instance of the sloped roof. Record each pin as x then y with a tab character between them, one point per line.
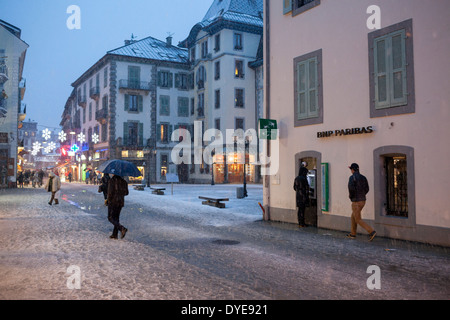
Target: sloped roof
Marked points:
235	14
246	7
154	49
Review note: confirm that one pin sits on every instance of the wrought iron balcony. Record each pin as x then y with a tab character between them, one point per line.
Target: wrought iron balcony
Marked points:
94	93
101	115
3	73
82	101
134	85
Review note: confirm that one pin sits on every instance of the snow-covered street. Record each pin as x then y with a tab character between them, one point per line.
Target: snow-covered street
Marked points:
176	248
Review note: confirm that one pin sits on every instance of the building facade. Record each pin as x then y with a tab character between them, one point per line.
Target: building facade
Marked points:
369	86
130	104
12	90
225	54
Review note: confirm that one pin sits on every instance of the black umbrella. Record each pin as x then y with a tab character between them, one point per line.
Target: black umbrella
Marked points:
120	168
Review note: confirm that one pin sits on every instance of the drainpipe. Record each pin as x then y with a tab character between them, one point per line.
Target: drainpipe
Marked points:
266	70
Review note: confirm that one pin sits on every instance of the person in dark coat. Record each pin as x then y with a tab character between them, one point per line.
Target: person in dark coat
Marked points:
358	187
301	187
117	190
104	186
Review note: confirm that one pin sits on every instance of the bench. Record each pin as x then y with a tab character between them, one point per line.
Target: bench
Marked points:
214	202
158	191
139	187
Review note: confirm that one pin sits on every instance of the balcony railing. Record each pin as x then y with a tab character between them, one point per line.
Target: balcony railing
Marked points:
101	115
82	101
94	93
134	85
3	73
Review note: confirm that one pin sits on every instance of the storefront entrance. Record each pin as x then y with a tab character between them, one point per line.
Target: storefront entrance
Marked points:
311	160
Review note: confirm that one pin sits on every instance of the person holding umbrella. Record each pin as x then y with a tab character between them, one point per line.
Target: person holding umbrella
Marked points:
117	190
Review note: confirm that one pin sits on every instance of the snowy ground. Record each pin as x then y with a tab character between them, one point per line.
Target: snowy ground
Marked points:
173	251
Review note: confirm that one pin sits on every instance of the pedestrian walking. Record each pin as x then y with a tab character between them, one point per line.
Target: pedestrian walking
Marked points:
104	186
20	179
70	176
87	176
358	187
53	185
117	190
301	187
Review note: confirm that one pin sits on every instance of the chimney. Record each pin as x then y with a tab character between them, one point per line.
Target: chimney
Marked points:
169	41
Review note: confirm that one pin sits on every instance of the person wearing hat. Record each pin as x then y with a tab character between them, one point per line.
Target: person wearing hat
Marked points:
358	187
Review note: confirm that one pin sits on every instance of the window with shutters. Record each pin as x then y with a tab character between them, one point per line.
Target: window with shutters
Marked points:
133	133
300	6
391	69
134	77
164	105
133	103
165	79
183	107
308	93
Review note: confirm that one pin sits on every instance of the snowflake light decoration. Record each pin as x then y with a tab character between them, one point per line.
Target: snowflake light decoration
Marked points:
81	137
95	138
46	134
51	146
62	136
36	146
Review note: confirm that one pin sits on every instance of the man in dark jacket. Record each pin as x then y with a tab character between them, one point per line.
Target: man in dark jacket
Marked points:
104	187
358	187
117	190
301	187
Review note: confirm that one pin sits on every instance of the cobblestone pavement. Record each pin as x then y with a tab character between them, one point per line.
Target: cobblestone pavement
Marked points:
170	256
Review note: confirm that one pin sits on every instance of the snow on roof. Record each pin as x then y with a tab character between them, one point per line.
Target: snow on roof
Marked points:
151	48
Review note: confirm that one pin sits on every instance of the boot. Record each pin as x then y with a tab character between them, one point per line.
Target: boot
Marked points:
56	201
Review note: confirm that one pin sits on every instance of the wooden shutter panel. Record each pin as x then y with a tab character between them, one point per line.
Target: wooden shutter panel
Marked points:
125	133
398	74
170	80
380	73
301	91
140	103
141	134
127	102
313	88
287	6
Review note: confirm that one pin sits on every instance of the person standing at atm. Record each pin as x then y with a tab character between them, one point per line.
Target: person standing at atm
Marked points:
301	187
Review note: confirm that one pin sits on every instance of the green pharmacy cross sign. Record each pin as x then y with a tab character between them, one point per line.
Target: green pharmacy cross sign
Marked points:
268	129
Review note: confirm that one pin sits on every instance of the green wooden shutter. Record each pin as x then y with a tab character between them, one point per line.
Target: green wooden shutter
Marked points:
170	80
140	103
301	91
125	133
141	134
287	6
380	73
127	102
398	74
313	88
177	80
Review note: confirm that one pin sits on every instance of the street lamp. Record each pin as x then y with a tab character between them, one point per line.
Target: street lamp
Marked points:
212	167
245	163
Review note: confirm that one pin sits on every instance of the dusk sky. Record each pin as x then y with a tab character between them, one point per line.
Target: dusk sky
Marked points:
57	55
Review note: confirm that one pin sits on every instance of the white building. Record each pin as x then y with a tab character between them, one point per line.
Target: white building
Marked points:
366	82
137	95
12	90
223	50
126	105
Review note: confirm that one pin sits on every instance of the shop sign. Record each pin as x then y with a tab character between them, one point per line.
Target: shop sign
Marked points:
345	132
268	129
